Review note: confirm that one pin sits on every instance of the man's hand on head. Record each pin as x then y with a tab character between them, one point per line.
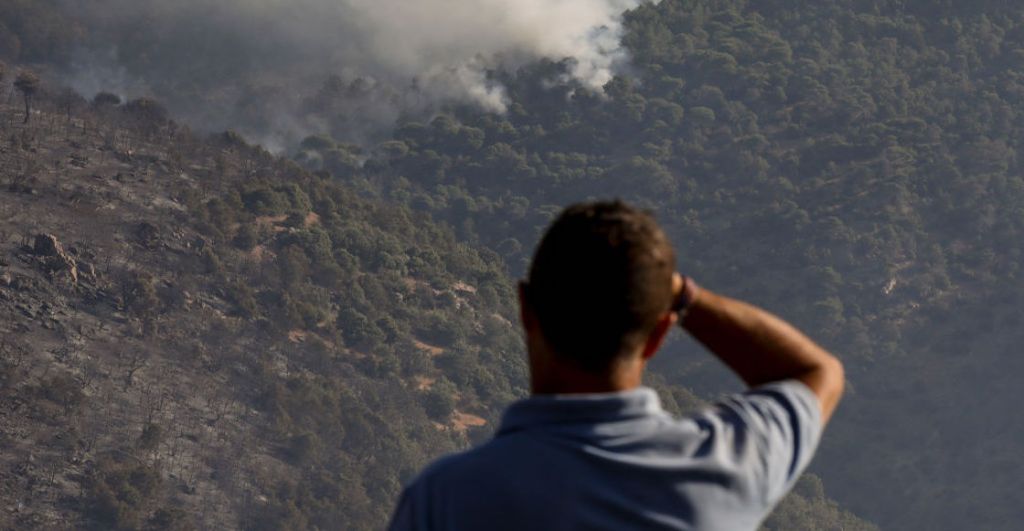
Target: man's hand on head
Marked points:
677	288
684	294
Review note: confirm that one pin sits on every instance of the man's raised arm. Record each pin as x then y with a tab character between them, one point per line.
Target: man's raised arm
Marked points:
760	347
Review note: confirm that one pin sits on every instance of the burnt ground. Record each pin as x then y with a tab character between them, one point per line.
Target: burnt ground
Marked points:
85	212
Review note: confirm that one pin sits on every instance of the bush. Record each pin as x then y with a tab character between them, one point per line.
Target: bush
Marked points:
247	236
106	99
64	390
140	295
439	401
359	331
244	299
150	438
120	494
304	448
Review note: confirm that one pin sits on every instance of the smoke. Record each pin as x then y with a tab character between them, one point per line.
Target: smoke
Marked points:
451	43
210	60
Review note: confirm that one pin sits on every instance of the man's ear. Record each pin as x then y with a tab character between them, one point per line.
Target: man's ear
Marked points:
657	336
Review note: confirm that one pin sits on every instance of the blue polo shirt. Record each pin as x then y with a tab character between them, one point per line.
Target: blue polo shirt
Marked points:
618	461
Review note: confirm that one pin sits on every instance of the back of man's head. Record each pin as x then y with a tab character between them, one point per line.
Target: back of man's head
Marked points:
600	280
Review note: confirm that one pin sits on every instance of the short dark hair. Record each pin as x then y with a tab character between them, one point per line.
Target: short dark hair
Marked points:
600	280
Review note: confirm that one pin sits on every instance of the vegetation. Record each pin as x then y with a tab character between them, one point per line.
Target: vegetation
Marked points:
27	84
343	338
851	165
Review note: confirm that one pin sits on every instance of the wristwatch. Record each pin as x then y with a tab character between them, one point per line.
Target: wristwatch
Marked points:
686	297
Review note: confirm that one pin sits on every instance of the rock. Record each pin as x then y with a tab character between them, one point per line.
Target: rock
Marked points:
87	269
65	263
47	245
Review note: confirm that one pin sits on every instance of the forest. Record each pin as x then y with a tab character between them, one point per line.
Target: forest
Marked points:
851	165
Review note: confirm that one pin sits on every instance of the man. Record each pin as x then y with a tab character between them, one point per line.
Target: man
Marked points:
591	448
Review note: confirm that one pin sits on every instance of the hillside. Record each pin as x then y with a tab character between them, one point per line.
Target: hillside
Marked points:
197	334
853	165
184	343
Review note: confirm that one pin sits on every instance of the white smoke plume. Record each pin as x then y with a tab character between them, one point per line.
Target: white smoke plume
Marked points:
443	48
463	38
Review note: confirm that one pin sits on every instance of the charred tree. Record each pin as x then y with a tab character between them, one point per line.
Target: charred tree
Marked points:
27	83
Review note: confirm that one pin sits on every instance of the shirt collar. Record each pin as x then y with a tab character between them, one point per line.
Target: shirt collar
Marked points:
540	410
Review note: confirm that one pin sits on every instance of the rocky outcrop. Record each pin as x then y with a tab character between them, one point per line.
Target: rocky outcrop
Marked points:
47	245
55	259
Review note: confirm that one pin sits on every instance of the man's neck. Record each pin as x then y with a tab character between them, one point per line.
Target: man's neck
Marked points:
553	376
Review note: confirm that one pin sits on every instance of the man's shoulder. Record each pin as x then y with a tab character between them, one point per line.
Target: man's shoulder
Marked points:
490	479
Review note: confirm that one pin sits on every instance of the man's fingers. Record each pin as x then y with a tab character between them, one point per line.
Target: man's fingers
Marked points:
677	288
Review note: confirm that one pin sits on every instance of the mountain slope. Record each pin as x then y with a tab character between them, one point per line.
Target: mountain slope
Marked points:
852	166
197	334
183	338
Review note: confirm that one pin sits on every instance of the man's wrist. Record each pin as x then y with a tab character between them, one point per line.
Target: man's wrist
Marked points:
686	297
